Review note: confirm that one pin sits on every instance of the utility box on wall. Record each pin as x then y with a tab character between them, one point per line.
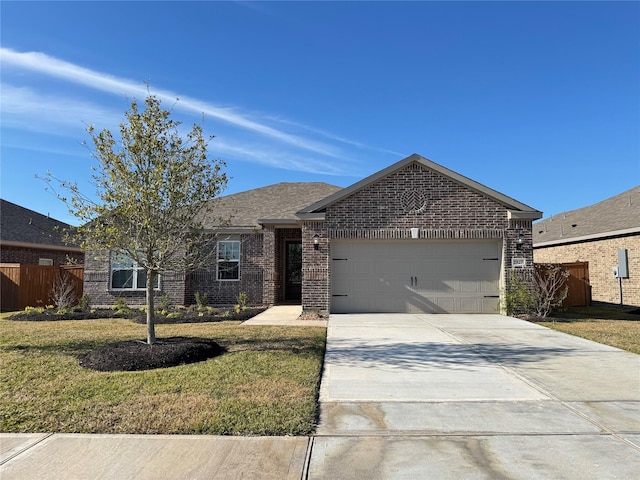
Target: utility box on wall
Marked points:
623	263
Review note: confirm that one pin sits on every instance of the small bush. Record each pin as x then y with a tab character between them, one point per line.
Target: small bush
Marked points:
201	299
63	293
85	303
536	291
242	300
164	302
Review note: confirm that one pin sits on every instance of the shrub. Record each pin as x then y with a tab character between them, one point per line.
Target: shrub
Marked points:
121	307
164	302
63	293
201	299
84	304
242	300
536	291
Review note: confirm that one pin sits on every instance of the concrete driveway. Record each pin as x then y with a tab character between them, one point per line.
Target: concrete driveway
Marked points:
473	396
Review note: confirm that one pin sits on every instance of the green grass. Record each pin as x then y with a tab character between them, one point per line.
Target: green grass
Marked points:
267	383
608	325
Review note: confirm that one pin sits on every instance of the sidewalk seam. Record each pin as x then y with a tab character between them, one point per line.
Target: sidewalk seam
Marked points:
28	447
307	458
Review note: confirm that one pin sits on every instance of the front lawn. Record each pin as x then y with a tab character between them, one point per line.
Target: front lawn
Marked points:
265	384
609	325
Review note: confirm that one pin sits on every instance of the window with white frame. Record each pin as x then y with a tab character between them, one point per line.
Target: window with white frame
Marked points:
127	275
229	260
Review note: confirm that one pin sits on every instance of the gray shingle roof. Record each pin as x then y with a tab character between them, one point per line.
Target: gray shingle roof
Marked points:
274	202
19	224
617	215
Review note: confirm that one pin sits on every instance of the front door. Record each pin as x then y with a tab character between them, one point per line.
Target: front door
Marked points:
293	271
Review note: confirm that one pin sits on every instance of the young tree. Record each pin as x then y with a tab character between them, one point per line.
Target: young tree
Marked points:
155	189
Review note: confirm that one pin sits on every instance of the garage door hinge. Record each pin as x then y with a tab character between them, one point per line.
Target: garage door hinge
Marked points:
338	259
339	295
491	296
491	258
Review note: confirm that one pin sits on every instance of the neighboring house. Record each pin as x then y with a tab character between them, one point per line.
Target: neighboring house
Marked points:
414	237
28	237
595	234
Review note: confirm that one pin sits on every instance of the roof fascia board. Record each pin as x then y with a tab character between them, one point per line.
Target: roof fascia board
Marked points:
311	216
467	182
235	230
277	221
39	246
585	238
518	215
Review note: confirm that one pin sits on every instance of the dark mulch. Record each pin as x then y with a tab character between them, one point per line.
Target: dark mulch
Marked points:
136	355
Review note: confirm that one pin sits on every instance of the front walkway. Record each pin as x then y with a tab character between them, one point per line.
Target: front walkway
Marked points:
284	315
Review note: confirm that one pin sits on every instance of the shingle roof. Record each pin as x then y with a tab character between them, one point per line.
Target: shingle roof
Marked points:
618	215
21	225
276	203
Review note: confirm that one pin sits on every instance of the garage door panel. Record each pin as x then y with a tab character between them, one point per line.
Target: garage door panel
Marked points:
415	276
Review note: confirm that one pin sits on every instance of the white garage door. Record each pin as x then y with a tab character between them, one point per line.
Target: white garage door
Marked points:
410	276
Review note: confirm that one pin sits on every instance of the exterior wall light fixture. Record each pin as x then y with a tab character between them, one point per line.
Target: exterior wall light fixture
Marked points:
316	241
520	241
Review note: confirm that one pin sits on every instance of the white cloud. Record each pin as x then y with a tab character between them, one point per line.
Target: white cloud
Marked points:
47	65
24	107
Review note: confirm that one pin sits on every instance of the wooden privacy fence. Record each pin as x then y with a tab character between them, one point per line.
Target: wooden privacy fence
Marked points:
579	292
30	285
579	289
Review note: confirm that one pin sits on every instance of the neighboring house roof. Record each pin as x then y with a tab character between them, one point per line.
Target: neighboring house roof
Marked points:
516	209
21	227
615	216
274	204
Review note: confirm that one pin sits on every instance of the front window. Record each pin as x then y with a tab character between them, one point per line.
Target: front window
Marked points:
229	260
127	275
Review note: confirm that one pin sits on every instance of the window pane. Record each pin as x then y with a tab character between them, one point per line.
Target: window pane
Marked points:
228	270
120	261
229	250
122	279
142	280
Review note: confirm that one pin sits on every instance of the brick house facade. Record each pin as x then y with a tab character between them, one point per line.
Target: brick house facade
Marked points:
289	235
30	238
595	234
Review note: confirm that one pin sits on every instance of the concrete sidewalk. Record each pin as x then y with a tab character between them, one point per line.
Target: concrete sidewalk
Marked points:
150	457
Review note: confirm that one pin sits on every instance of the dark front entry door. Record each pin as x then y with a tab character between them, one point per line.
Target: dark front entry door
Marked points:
293	271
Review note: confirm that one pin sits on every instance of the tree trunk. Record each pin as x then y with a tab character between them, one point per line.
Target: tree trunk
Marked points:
151	326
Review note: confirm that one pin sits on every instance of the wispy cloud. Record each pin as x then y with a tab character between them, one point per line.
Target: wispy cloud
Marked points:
53	67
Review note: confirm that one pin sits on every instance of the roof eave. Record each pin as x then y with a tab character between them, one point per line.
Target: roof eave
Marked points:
311	216
40	246
586	238
520	215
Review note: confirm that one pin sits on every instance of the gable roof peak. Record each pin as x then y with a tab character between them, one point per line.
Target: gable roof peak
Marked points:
508	202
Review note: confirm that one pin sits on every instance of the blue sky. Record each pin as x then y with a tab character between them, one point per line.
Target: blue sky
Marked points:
538	100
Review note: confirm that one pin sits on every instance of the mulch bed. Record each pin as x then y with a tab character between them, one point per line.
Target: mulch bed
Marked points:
136	355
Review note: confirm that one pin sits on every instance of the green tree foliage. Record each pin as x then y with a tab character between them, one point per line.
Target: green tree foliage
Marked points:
155	189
